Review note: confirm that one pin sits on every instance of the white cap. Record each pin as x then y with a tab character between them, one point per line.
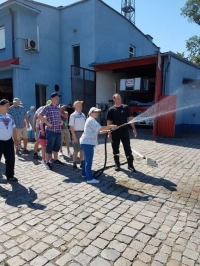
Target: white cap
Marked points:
94	109
32	107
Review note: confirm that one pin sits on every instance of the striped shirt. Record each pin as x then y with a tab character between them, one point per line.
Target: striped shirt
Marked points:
53	116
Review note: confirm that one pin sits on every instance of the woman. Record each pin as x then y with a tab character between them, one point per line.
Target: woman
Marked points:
89	140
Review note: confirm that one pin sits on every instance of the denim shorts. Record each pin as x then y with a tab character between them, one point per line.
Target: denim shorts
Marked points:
53	141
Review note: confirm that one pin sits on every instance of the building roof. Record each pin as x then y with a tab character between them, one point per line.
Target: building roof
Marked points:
139	60
17	4
9	62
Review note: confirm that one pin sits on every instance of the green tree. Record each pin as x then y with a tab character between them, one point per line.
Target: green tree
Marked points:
181	54
191	10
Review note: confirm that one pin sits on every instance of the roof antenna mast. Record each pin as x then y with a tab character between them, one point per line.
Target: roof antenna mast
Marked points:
128	9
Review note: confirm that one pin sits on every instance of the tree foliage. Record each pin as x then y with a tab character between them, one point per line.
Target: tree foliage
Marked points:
191	10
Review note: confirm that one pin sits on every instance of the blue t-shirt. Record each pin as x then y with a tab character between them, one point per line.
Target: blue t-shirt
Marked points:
18	114
90	134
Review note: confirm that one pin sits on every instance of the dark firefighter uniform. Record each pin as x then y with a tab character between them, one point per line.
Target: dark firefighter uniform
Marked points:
119	116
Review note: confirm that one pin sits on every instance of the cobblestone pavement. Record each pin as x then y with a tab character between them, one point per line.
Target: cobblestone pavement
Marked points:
148	218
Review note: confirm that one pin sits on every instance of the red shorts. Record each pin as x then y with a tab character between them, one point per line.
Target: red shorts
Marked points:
42	143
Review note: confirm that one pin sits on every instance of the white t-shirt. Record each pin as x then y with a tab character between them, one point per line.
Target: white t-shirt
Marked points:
90	134
6	126
77	120
39	110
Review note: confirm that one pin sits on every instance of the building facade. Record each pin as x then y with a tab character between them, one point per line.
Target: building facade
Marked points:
45	48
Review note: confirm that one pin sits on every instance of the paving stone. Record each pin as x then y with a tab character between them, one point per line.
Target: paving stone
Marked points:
143	238
187	261
172	262
10	243
129	231
27	244
149	231
39	261
100	262
176	256
28	255
137	245
2	257
165	249
87	227
110	254
191	254
144	257
107	235
139	263
151	250
16	261
51	254
123	238
161	257
100	243
4	238
129	254
50	239
114	228
155	242
115	244
75	250
64	259
136	225
13	251
40	247
122	261
83	259
157	263
91	251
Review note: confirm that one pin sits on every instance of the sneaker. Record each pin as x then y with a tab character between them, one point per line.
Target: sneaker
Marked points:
93	181
132	169
48	166
69	154
18	152
12	179
25	151
75	167
36	156
117	168
58	162
60	153
51	160
83	176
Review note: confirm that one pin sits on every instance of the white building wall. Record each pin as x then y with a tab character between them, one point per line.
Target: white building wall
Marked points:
107	84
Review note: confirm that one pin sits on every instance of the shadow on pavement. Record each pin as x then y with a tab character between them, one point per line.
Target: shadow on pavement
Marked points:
109	186
155	181
20	195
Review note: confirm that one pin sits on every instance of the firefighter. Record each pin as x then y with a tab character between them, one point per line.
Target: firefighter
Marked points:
117	115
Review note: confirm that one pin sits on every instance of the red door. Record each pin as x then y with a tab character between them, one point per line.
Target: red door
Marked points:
166	116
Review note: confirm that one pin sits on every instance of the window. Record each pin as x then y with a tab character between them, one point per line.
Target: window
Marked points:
131	51
76	55
2	38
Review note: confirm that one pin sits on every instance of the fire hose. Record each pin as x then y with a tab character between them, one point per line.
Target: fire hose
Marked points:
99	172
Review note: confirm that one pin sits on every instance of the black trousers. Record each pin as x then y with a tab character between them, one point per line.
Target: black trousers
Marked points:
123	136
7	149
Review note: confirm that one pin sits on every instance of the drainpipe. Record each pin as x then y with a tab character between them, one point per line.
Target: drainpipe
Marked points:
12	32
165	77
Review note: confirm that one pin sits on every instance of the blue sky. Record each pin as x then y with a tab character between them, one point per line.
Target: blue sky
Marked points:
159	18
